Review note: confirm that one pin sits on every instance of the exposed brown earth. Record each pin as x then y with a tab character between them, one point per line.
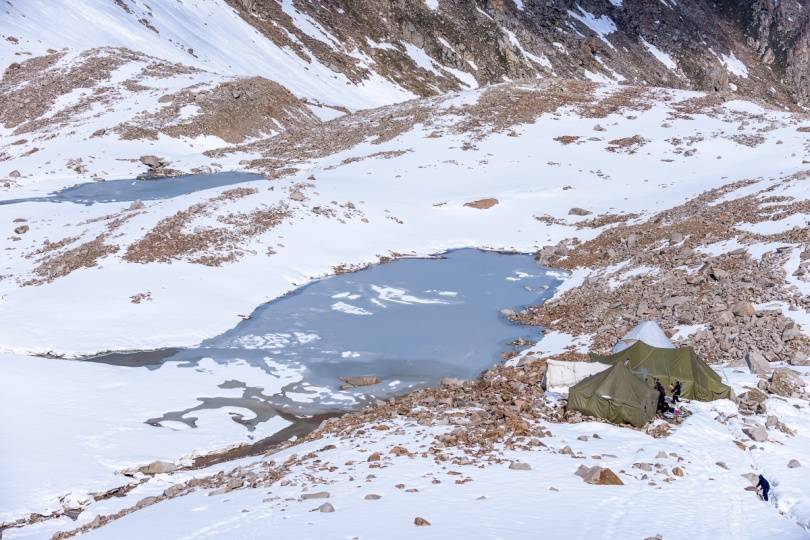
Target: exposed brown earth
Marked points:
232	111
176	237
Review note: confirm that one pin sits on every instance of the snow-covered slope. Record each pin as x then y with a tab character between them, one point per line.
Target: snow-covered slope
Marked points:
393	180
376	482
205	34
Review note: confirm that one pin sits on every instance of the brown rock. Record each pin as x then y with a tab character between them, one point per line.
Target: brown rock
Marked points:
374	457
420	522
21	229
785	382
153	162
600	476
482	204
360	380
677	471
372	497
743	309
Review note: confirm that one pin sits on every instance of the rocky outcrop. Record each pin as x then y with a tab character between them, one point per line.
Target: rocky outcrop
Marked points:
779	33
640	42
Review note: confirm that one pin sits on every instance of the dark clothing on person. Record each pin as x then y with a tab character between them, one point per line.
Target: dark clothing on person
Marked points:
662	401
676	392
765	486
662	404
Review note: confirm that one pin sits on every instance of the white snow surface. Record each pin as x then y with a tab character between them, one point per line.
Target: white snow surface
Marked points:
74	424
493	501
660	55
735	65
602	26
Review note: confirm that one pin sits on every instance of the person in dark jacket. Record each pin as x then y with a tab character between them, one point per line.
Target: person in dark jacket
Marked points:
662	405
676	392
764	487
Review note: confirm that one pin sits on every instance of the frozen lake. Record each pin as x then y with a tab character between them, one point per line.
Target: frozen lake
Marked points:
408	323
140	190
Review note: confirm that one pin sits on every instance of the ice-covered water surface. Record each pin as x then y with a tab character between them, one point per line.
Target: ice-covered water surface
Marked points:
408	323
140	190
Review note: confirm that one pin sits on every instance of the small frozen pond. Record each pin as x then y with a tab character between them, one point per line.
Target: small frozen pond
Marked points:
140	190
409	323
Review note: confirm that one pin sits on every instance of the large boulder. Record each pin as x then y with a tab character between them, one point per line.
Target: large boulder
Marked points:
799	359
756	432
158	467
752	401
576	211
153	162
743	309
600	476
315	495
786	383
757	363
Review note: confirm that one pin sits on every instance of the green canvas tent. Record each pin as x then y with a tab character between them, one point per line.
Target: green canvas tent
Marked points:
617	395
698	380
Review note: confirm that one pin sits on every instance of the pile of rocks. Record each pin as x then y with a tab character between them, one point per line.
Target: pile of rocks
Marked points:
666	274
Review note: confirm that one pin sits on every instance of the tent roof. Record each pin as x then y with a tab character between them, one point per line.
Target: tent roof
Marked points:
646	331
698	380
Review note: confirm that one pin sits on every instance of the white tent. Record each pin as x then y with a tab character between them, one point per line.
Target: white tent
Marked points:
646	331
560	375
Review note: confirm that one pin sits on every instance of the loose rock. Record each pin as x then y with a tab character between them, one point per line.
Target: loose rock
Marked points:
316	495
518	466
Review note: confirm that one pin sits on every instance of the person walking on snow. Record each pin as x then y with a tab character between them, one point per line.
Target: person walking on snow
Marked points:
763	487
676	392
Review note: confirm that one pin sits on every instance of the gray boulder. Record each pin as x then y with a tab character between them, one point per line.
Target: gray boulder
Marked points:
579	212
757	363
756	432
